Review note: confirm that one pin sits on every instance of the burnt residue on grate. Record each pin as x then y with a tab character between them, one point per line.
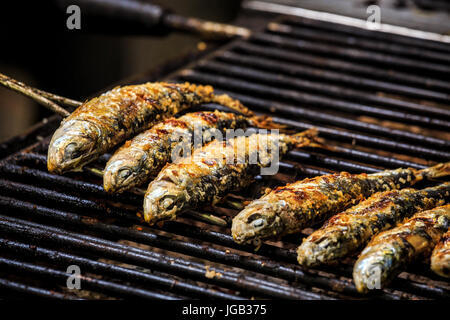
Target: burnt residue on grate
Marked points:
381	99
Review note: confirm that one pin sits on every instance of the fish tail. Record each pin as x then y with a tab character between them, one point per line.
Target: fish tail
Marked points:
310	138
307	138
437	171
231	103
264	122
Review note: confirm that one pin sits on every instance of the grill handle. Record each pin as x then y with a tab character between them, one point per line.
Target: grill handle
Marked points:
134	16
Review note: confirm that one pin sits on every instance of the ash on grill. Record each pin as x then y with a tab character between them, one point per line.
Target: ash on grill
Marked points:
383	100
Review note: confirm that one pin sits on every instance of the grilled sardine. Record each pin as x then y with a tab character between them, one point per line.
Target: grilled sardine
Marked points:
391	251
213	170
145	155
352	229
103	122
440	259
291	208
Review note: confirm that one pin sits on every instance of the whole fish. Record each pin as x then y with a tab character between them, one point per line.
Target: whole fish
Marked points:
391	251
105	121
440	259
291	208
213	170
352	229
145	155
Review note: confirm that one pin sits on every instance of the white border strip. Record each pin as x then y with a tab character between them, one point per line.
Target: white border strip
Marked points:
354	22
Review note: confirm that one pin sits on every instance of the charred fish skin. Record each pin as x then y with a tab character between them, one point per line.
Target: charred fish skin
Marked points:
145	155
105	121
206	176
440	258
348	231
391	251
304	203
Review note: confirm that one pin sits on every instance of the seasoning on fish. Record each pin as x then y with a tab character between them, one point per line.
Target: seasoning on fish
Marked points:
298	205
391	251
440	259
348	231
145	155
105	121
214	170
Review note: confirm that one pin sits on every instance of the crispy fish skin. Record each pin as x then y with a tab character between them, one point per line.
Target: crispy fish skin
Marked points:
105	121
391	251
207	175
145	155
440	259
348	231
291	208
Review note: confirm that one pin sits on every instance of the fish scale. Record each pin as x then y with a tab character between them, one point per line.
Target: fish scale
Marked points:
207	176
101	123
314	200
391	251
347	232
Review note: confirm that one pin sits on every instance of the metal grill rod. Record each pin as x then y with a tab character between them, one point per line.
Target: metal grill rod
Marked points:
285	84
309	60
218	255
162	280
269	105
87	282
357	42
295	70
39	292
33	231
351	54
265	266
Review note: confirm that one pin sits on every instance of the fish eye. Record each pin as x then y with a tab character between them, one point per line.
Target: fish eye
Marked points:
124	173
168	202
71	152
254	217
258	222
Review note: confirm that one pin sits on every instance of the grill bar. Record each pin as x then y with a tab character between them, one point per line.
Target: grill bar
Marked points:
280	81
39	292
128	254
89	282
162	280
298	60
338	91
352	54
264	266
267	91
358	42
367	34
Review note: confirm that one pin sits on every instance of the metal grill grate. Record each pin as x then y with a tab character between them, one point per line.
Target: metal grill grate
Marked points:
373	95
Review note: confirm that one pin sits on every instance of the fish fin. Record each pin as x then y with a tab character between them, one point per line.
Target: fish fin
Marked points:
265	122
231	103
437	171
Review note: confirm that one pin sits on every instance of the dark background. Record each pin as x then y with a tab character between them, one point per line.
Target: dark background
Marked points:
39	50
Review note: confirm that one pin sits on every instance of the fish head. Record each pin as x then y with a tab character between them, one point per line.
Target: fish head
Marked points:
124	170
163	200
73	144
257	221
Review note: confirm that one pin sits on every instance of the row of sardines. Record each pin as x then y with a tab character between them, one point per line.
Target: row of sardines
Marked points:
377	215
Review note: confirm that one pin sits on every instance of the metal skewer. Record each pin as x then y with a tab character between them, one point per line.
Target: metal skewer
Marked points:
29	92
